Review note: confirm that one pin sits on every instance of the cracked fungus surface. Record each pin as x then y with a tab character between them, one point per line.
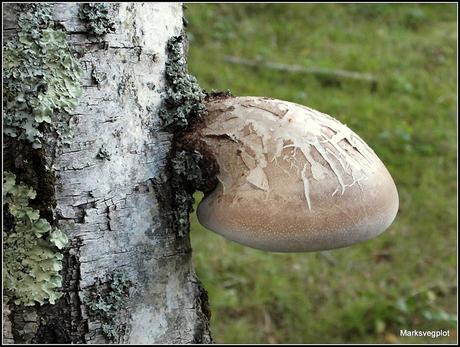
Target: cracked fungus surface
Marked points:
292	178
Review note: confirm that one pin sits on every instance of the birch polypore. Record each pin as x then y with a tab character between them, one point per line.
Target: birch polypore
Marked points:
292	179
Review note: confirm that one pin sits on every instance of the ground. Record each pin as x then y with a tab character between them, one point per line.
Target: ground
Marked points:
404	279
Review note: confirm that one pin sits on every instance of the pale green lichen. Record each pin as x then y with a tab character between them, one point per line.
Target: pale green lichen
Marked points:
31	261
97	18
184	97
41	78
183	103
105	300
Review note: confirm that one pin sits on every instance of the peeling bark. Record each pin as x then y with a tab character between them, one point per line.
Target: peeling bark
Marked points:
111	185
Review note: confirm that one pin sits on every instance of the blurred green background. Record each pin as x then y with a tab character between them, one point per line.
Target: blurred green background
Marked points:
404	279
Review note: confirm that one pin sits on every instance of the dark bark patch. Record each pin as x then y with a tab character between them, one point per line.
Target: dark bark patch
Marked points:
105	300
184	97
97	18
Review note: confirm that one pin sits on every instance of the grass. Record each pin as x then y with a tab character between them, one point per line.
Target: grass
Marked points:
404	279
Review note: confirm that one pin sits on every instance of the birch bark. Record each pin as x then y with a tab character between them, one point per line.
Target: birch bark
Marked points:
109	192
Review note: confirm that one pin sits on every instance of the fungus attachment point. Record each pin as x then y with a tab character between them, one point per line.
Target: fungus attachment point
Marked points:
291	179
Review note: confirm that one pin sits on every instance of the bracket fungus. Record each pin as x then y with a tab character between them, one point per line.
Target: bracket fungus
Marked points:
290	178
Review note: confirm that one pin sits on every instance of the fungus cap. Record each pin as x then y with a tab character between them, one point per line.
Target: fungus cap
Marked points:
292	179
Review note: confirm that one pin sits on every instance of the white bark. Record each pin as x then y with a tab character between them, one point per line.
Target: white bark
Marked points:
108	204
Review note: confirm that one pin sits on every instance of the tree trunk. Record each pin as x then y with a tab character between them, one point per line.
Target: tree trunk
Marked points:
127	274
